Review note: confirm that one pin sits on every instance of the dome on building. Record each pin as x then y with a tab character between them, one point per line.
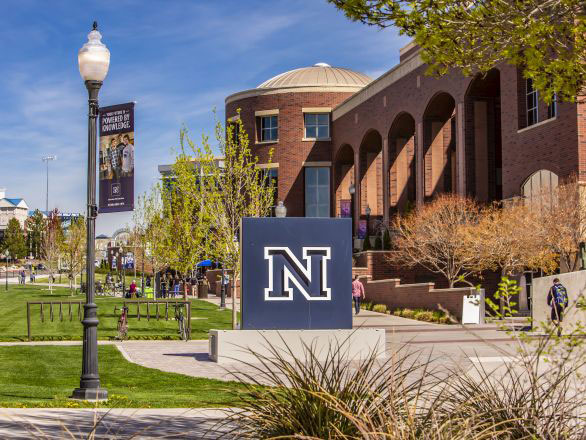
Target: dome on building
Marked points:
318	75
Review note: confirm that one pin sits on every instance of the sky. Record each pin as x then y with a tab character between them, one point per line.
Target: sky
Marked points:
177	59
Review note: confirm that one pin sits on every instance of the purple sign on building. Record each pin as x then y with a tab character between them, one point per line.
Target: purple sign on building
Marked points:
362	229
345	208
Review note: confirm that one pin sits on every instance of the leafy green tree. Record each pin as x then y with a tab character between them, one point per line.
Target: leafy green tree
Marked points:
225	191
73	249
35	228
148	232
545	38
14	239
52	245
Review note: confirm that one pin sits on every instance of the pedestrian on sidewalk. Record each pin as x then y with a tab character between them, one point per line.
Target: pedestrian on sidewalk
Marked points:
557	299
22	277
357	293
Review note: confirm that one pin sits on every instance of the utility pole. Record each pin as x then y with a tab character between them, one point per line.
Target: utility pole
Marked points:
47	159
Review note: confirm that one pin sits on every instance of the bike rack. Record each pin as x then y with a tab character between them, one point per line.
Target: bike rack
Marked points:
157	316
51	314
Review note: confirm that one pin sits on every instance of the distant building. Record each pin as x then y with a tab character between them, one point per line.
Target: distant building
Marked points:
11	208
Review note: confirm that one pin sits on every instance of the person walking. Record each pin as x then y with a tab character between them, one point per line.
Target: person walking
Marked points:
357	293
557	299
22	277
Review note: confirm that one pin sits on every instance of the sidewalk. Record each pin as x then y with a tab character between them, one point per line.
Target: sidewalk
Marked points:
57	423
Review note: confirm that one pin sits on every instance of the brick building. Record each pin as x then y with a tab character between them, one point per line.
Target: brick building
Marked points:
345	144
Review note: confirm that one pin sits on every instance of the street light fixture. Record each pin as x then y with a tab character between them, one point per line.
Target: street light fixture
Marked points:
94	60
6	255
47	159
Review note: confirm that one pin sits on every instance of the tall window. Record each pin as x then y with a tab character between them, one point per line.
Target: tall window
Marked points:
317	192
269	130
532	100
317	125
552	109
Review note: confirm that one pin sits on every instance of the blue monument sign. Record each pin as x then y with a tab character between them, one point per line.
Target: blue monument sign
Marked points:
296	273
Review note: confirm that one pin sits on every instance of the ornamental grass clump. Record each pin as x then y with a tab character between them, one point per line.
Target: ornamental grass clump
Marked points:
537	393
312	398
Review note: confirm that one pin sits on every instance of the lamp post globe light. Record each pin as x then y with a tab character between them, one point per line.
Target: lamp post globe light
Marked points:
94	60
280	210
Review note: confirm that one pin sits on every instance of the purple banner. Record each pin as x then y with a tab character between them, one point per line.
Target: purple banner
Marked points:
361	229
345	208
117	158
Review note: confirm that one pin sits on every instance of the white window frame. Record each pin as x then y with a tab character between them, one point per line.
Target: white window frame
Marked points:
270	128
317	188
552	109
533	92
316	125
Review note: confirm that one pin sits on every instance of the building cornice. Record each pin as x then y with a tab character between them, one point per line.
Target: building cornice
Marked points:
382	82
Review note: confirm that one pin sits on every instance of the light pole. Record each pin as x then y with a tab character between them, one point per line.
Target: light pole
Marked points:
122	262
6	255
352	191
94	60
47	159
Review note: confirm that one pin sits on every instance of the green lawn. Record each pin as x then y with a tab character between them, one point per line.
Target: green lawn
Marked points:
45	376
13	324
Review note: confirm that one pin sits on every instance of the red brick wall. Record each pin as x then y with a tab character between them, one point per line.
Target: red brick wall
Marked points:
290	151
416	296
553	145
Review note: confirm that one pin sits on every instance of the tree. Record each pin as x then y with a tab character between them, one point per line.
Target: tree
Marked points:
184	196
509	238
14	239
73	249
545	38
148	232
52	244
35	228
434	237
226	192
562	215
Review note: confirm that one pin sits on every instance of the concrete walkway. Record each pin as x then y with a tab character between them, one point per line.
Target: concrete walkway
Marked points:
117	423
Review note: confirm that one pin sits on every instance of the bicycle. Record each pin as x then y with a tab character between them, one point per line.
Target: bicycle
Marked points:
123	324
181	322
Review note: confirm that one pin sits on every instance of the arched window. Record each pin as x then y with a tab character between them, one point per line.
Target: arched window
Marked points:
539	187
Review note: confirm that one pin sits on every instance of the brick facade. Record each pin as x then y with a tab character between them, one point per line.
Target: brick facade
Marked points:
290	151
406	137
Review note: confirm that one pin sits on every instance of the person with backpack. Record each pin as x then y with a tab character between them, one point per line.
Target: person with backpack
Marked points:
557	299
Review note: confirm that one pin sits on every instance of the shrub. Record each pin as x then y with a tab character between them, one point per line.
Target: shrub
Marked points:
380	308
378	243
408	313
424	315
366	305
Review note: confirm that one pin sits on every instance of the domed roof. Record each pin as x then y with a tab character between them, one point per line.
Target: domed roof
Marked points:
318	75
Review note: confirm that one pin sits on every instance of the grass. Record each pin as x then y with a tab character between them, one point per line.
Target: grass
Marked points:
45	376
13	324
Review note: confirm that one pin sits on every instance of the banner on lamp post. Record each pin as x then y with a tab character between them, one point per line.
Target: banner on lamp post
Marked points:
116	158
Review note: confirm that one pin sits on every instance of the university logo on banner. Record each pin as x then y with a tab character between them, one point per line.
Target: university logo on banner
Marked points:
116	158
296	273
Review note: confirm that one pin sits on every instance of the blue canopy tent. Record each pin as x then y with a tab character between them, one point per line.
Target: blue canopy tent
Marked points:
205	263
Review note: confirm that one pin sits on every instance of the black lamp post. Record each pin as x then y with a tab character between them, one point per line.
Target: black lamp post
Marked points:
122	260
6	255
94	60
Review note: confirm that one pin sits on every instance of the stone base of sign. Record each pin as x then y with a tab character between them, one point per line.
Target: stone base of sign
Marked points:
227	346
